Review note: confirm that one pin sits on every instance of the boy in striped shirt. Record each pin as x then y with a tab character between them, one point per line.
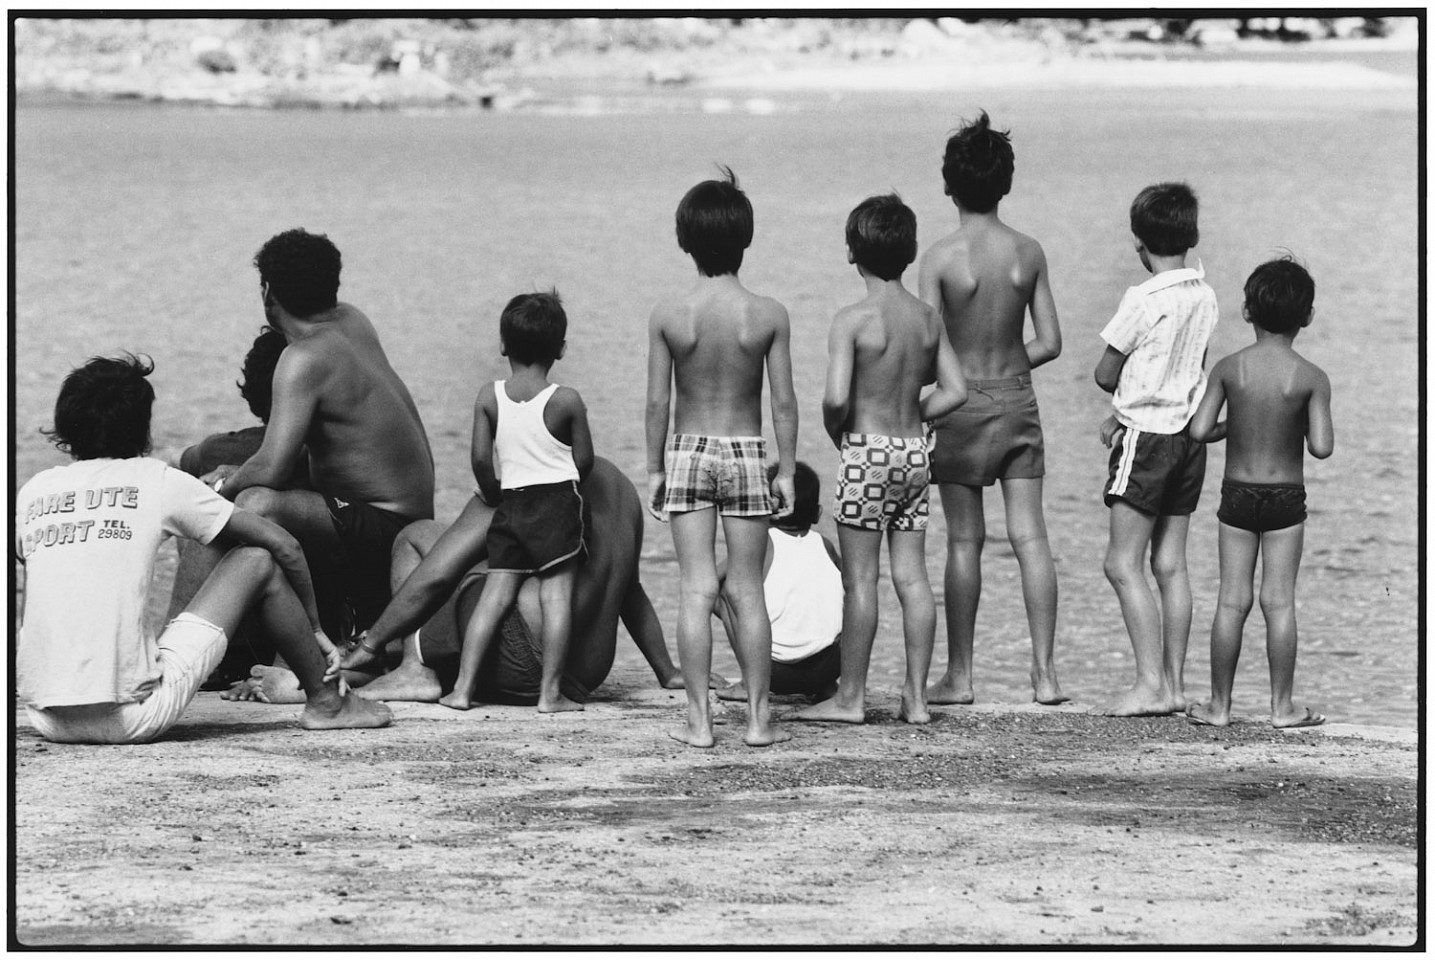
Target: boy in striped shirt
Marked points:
1154	366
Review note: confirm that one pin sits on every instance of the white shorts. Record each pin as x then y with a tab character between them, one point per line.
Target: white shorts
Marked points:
189	650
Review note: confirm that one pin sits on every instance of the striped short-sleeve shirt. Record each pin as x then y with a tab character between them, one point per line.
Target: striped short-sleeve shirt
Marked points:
1162	326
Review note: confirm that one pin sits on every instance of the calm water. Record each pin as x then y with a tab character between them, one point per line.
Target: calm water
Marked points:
135	225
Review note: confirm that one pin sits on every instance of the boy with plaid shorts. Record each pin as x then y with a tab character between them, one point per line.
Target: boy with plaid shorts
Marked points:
713	343
882	351
1154	365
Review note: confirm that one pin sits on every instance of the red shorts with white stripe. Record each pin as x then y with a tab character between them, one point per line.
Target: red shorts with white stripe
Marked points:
1157	473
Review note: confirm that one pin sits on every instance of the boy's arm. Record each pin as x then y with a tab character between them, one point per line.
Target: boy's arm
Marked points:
577	415
784	411
642	624
951	389
832	552
1204	426
1319	430
837	396
296	398
1108	369
660	383
485	411
1047	344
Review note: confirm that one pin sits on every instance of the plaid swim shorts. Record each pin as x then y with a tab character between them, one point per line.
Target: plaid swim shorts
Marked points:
729	473
883	482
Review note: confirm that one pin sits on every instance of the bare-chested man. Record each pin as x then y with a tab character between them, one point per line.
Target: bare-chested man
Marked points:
339	405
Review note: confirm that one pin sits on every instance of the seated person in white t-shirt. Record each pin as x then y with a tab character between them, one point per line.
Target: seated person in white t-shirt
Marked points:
87	532
802	583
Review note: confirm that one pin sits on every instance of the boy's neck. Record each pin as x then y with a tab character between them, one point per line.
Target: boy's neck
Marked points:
1265	336
1159	263
722	279
792	531
531	373
971	218
876	284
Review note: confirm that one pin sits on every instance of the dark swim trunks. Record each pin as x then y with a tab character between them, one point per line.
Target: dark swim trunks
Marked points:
1159	474
366	537
1261	507
535	528
814	675
995	435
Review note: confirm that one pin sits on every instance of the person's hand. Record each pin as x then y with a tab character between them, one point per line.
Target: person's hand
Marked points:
1110	429
216	477
784	490
657	493
333	655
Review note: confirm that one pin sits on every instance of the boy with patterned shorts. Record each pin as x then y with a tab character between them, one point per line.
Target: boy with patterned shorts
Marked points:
1154	365
882	351
713	343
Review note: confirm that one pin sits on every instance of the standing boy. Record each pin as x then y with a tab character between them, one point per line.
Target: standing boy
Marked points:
1277	400
1155	365
713	343
531	446
882	351
985	278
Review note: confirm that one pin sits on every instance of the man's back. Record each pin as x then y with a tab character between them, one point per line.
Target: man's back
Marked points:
894	337
1268	388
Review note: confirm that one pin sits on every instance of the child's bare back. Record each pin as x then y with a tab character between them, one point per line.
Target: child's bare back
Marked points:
1268	389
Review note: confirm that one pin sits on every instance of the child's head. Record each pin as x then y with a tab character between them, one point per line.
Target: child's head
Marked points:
533	328
1163	218
807	504
103	409
978	164
1279	295
882	236
715	225
302	271
257	387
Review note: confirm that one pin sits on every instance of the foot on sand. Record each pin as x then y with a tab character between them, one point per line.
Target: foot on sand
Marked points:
765	735
692	737
1046	690
1138	702
1295	721
829	711
949	691
267	685
408	681
913	711
456	701
1205	715
347	712
733	691
558	704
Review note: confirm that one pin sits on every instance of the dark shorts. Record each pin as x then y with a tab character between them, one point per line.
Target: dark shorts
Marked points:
995	435
366	538
813	675
1159	474
1259	507
535	528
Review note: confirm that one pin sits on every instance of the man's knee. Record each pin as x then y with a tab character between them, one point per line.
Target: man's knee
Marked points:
261	500
1276	602
1168	569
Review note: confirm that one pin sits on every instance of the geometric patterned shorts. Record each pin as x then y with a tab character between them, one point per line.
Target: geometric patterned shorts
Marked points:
883	482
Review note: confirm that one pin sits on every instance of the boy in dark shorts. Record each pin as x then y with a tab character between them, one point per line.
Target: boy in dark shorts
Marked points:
881	352
531	446
713	343
1276	401
1154	365
985	278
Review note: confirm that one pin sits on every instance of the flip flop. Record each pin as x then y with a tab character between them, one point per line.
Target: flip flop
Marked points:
1309	720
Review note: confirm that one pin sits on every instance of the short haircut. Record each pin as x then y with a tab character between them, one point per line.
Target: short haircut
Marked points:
807	503
104	409
882	235
714	223
533	327
1279	295
978	164
1163	217
302	270
257	387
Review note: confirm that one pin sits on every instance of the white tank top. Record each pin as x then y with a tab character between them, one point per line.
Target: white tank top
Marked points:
804	596
523	450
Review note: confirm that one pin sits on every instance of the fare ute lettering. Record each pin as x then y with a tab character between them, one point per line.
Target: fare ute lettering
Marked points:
78	531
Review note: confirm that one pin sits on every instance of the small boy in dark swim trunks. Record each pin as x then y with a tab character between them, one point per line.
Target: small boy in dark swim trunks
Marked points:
1276	401
881	352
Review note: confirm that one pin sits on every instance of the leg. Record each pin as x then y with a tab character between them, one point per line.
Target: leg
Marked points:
1238	550
907	551
1026	528
1125	553
1281	551
746	539
694	533
499	592
556	596
966	534
723	609
860	552
1168	564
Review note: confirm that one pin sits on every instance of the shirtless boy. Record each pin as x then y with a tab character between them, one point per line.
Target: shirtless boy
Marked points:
713	342
1276	401
882	351
985	278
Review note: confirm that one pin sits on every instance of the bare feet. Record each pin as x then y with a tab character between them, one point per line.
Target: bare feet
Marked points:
408	681
557	704
344	712
691	736
456	701
765	735
914	710
1302	718
1046	690
1206	715
949	690
267	685
732	691
829	711
1139	702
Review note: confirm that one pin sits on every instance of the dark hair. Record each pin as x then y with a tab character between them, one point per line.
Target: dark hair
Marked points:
104	408
302	270
715	225
978	164
1279	295
533	327
1163	217
257	387
807	505
882	235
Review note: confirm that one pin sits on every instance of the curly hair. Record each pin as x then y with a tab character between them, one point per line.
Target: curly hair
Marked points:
714	224
302	270
807	502
257	385
882	235
103	409
1163	218
1279	295
533	327
977	165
